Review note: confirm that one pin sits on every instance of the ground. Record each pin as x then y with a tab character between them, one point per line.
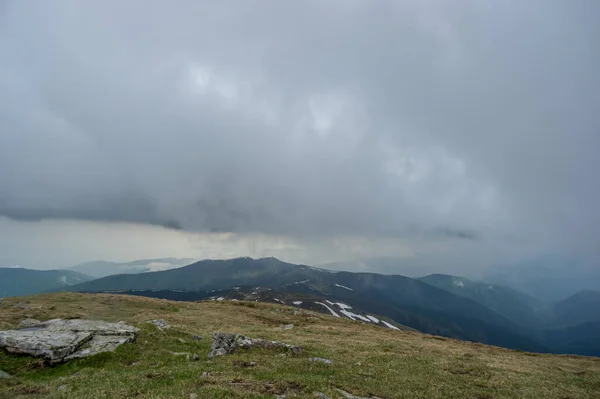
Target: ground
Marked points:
368	360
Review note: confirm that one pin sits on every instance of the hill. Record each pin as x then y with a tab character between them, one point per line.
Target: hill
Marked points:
103	268
407	301
367	360
18	281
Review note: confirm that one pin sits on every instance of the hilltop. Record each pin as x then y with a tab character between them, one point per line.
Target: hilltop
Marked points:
367	360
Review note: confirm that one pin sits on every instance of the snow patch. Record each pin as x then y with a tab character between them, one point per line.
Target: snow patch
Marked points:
297	302
373	319
220	298
458	283
393	327
354	316
279	300
328	308
343	286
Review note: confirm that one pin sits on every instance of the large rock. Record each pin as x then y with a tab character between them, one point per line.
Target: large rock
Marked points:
224	343
60	340
4	374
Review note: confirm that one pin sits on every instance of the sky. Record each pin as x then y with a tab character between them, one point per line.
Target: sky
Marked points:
460	135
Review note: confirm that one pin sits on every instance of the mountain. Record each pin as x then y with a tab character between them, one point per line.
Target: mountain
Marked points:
583	307
407	301
521	308
18	281
367	361
549	278
103	268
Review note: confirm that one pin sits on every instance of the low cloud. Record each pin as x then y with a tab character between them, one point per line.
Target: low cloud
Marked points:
407	121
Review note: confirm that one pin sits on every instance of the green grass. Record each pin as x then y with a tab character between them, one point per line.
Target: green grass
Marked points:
368	360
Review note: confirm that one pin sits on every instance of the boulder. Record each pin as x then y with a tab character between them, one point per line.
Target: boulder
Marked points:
286	327
60	340
350	396
4	374
224	343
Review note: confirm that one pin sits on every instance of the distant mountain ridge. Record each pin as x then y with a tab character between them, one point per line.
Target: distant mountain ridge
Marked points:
16	281
103	268
407	301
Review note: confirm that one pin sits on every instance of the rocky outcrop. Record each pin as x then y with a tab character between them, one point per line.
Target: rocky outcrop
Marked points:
224	343
60	340
161	324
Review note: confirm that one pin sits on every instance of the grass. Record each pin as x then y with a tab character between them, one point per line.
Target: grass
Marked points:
368	360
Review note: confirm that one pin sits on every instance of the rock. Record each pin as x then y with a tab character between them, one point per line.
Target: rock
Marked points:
204	374
29	322
195	357
196	337
193	396
60	340
350	396
224	343
321	395
161	324
21	305
4	374
320	360
286	327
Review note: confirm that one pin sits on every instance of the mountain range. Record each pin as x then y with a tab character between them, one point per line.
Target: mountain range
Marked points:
102	268
437	304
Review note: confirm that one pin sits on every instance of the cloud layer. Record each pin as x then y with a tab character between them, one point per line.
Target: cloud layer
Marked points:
471	121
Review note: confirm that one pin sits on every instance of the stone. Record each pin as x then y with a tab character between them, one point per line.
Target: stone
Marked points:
350	396
224	343
196	357
59	340
29	322
196	337
4	374
205	374
321	395
286	327
193	396
161	324
320	360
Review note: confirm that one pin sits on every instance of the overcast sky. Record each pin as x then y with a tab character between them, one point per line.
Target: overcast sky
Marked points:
464	133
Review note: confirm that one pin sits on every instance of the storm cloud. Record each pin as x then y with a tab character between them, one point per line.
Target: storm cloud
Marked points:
453	122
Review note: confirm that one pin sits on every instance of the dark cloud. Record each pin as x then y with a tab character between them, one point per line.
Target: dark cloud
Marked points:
471	121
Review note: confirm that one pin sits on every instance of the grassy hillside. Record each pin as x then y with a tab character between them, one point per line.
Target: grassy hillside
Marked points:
368	360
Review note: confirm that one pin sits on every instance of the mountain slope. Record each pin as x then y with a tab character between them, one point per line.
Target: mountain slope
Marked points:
367	360
18	281
407	301
583	307
521	308
103	268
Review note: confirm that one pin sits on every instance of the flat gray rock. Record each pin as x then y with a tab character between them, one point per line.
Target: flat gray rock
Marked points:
224	343
59	340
